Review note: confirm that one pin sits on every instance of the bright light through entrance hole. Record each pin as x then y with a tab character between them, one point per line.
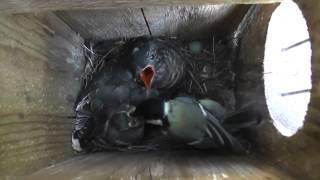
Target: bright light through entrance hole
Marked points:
287	68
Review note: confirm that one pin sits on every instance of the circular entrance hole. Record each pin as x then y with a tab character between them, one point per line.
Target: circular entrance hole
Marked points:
287	68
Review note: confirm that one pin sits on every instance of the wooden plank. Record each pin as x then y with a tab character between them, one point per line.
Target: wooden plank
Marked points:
17	6
190	22
35	63
106	24
40	62
159	165
296	154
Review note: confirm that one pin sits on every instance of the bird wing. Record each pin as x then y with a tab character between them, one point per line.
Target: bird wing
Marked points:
214	107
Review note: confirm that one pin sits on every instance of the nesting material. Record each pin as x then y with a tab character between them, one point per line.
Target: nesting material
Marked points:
208	74
211	76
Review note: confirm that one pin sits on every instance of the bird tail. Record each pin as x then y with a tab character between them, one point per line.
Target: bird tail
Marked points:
219	132
225	130
242	119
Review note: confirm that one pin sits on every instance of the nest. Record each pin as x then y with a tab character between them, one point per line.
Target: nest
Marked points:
210	74
210	71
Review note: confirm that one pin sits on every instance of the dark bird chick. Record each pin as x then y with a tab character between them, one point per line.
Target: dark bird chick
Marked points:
103	112
158	63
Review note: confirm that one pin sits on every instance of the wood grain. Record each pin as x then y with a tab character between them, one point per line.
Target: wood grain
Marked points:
159	165
194	22
40	61
17	6
106	24
188	22
297	154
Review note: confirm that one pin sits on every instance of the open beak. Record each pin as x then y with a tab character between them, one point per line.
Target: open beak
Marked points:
147	75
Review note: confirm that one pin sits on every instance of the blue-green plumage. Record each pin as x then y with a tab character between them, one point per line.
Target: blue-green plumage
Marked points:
186	119
202	124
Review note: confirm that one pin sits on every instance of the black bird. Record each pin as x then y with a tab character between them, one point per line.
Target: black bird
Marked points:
158	63
202	124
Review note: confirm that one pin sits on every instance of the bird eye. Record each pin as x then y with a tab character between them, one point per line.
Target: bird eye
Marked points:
152	56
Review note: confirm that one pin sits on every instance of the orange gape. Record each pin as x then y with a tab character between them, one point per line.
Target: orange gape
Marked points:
147	75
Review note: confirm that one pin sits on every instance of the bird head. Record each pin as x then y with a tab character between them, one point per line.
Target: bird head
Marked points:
156	63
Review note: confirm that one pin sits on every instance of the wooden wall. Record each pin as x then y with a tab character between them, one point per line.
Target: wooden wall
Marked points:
298	155
40	61
190	22
17	6
184	165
